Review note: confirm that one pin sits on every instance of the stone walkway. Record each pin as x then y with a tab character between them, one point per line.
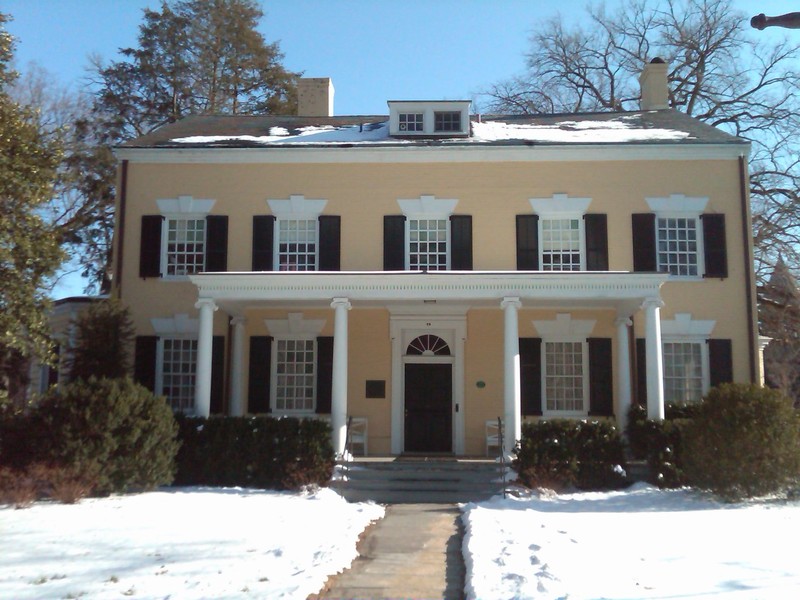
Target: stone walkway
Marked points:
414	552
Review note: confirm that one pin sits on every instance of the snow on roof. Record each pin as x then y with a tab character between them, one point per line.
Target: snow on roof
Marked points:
619	130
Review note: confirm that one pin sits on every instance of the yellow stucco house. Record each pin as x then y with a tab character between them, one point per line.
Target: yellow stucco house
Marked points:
430	270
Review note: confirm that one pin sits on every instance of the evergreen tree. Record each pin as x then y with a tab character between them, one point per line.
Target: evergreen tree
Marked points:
104	336
29	246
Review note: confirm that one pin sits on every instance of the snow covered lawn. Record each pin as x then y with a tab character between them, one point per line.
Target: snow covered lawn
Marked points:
636	544
187	543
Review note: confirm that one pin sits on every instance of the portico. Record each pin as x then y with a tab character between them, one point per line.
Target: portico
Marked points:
415	299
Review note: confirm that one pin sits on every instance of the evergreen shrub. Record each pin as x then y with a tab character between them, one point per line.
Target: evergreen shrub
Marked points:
743	442
113	430
259	451
563	453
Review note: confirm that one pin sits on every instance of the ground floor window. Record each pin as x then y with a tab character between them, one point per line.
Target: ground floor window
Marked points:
178	369
684	375
295	375
565	376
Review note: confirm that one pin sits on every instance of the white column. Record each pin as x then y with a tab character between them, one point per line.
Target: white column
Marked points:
339	391
205	338
237	366
623	371
654	359
512	405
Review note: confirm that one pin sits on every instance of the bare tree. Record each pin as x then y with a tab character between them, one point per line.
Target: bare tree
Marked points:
719	72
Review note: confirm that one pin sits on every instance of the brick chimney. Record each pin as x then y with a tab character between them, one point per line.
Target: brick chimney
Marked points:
315	97
653	81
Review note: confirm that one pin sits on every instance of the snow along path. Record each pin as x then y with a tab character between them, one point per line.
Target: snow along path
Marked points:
640	543
183	543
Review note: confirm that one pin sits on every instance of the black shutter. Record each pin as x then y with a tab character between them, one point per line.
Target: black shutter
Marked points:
461	248
150	248
530	373
601	379
596	226
144	361
644	242
720	361
217	375
714	250
216	243
330	246
324	374
394	243
527	242
258	385
641	371
52	372
263	237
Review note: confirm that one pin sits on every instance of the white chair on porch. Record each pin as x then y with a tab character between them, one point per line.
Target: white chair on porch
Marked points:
492	437
357	436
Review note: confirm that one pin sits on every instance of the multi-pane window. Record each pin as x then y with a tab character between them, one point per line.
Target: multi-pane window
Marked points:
297	244
677	245
447	121
178	368
683	371
564	376
410	121
561	244
427	244
295	375
185	247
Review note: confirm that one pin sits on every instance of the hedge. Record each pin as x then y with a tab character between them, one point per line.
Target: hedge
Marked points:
259	451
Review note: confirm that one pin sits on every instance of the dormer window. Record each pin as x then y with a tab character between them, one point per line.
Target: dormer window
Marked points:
434	119
447	121
411	122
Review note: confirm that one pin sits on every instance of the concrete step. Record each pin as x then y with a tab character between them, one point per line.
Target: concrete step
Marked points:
395	481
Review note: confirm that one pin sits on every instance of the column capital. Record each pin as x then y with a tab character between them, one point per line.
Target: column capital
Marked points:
653	303
238	320
341	302
623	321
510	301
205	302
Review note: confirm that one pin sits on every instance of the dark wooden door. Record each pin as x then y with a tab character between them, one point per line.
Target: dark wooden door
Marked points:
428	412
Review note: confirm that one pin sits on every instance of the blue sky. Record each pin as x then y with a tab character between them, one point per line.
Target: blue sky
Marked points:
374	50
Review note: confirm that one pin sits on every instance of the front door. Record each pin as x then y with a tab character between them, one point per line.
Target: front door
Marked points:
428	402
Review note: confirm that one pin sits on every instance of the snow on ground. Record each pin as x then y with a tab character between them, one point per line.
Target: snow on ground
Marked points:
187	543
640	543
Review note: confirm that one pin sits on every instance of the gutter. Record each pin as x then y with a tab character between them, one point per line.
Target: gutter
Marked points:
747	236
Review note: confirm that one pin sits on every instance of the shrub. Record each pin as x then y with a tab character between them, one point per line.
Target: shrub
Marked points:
254	452
744	442
23	487
562	453
111	429
104	336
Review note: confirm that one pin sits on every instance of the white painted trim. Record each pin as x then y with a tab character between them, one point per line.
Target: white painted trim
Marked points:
297	206
176	325
564	327
295	326
185	206
560	206
470	152
678	203
683	325
427	207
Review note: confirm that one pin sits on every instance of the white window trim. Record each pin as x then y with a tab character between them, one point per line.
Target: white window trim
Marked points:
427	207
294	327
684	329
561	206
294	208
428	108
177	209
565	329
679	206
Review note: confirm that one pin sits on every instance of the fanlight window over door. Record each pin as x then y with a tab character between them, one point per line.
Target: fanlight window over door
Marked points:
428	345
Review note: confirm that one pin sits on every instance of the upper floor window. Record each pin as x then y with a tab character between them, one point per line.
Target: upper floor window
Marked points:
562	236
297	244
447	121
428	244
678	238
184	246
412	122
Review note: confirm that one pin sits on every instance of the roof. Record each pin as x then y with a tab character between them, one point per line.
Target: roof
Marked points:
613	128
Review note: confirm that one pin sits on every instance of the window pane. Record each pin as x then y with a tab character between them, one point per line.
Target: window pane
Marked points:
428	251
677	246
185	252
564	376
295	392
297	245
561	245
683	372
178	373
447	121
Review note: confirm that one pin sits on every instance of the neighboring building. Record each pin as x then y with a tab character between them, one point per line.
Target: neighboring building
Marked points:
432	270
